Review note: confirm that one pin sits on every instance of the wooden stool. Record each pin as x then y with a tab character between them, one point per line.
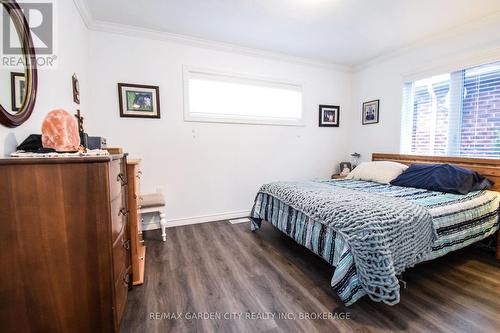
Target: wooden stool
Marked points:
155	203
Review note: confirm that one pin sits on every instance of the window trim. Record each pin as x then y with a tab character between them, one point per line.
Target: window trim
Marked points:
188	72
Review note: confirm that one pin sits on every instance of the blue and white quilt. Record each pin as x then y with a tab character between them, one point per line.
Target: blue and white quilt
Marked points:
458	221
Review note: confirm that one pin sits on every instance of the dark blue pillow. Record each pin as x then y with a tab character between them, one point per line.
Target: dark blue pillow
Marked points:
442	178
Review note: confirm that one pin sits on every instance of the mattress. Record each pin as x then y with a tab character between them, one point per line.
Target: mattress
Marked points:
459	220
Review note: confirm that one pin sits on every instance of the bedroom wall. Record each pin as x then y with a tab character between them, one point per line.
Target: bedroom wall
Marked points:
55	90
383	79
210	171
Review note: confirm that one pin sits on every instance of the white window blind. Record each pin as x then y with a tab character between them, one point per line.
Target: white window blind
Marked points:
455	114
219	97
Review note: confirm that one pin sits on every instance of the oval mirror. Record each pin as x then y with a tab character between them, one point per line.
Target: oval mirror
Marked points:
18	72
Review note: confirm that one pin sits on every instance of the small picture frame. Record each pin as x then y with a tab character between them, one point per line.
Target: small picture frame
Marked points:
76	89
344	165
17	90
139	101
329	115
370	112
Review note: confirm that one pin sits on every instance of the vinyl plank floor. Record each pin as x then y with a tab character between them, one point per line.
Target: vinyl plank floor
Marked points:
220	277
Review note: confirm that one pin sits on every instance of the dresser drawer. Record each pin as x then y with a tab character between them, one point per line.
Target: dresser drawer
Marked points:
117	179
120	256
118	217
121	289
139	222
137	187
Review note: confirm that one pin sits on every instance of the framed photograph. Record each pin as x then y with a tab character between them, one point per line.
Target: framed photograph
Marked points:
76	89
139	101
329	115
371	112
17	90
345	165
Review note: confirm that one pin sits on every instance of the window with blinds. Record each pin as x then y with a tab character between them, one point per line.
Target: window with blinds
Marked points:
455	114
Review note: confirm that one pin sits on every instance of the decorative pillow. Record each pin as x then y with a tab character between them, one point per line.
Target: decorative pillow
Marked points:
378	171
442	178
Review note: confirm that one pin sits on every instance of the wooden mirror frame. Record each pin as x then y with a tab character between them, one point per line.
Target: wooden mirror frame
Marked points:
23	31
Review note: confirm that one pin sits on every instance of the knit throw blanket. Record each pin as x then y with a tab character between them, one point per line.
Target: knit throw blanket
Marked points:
386	234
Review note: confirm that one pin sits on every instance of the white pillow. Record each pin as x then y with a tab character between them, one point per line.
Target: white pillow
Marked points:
379	171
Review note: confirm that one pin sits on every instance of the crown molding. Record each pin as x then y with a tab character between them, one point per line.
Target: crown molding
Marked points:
133	31
127	30
452	33
84	10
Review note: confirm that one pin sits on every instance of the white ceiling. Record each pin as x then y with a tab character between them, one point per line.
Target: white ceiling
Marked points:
345	32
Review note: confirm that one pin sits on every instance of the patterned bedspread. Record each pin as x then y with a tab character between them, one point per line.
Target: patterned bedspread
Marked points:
459	220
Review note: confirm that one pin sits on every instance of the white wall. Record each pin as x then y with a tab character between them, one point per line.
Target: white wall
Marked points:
208	169
55	90
383	79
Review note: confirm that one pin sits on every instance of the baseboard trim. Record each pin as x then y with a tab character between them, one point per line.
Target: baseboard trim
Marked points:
198	219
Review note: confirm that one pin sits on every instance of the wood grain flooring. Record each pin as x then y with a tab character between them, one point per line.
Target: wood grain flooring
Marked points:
220	269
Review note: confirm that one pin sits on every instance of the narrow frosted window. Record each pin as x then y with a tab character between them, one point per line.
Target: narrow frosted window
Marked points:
213	97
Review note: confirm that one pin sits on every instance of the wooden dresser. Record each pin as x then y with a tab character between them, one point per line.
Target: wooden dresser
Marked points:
64	244
137	248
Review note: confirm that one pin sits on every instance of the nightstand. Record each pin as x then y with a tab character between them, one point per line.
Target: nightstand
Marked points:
338	176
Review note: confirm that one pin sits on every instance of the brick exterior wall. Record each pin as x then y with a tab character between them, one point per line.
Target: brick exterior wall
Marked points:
480	126
422	118
481	116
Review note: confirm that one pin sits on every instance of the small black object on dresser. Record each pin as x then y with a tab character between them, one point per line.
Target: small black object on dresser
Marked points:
96	142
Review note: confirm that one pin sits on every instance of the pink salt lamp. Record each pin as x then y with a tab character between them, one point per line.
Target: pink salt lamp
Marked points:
60	131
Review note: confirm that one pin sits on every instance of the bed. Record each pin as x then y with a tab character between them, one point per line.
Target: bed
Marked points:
456	222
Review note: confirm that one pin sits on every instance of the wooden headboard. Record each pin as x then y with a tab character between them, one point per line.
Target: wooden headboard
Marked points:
489	168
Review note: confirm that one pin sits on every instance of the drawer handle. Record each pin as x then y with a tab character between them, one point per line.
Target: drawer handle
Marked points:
121	178
123	212
126	244
139	174
126	279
